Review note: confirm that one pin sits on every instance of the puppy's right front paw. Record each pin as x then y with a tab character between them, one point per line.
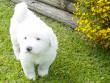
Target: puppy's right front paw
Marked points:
43	72
31	77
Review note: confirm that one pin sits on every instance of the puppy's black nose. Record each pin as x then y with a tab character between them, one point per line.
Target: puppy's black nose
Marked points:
29	49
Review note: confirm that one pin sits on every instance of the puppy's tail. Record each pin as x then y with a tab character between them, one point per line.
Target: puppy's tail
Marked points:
20	12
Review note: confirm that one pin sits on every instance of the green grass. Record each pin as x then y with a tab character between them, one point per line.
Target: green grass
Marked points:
77	60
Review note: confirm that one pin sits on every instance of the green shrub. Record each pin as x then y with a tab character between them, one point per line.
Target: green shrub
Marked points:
94	20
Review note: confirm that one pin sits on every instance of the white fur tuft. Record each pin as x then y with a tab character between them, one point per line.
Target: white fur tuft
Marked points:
20	11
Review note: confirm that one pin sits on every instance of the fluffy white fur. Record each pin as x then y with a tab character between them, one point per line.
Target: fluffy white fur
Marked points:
33	41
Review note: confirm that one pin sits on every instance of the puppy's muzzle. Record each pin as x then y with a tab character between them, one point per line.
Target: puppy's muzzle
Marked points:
29	49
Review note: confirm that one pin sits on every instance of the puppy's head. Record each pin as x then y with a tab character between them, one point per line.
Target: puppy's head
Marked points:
34	43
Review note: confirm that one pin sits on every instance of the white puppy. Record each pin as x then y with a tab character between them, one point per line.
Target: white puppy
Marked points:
33	41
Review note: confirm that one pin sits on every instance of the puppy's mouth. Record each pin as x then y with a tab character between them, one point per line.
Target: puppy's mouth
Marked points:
31	53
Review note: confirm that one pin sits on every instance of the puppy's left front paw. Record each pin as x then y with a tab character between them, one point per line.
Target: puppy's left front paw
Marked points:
31	77
42	72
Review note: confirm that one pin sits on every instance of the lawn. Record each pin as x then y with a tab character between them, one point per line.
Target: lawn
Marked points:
77	61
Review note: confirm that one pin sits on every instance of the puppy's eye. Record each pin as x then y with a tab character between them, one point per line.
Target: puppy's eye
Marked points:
25	38
37	38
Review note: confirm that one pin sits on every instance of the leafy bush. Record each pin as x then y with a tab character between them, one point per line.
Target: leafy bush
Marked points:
94	20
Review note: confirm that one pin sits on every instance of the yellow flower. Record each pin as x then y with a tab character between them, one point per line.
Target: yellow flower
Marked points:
103	31
93	31
93	9
104	15
108	30
107	7
104	10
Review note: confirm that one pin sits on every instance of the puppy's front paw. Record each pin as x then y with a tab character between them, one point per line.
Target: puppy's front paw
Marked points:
31	77
42	72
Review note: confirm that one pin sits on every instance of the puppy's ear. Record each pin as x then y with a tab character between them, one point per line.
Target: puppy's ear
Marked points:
53	39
